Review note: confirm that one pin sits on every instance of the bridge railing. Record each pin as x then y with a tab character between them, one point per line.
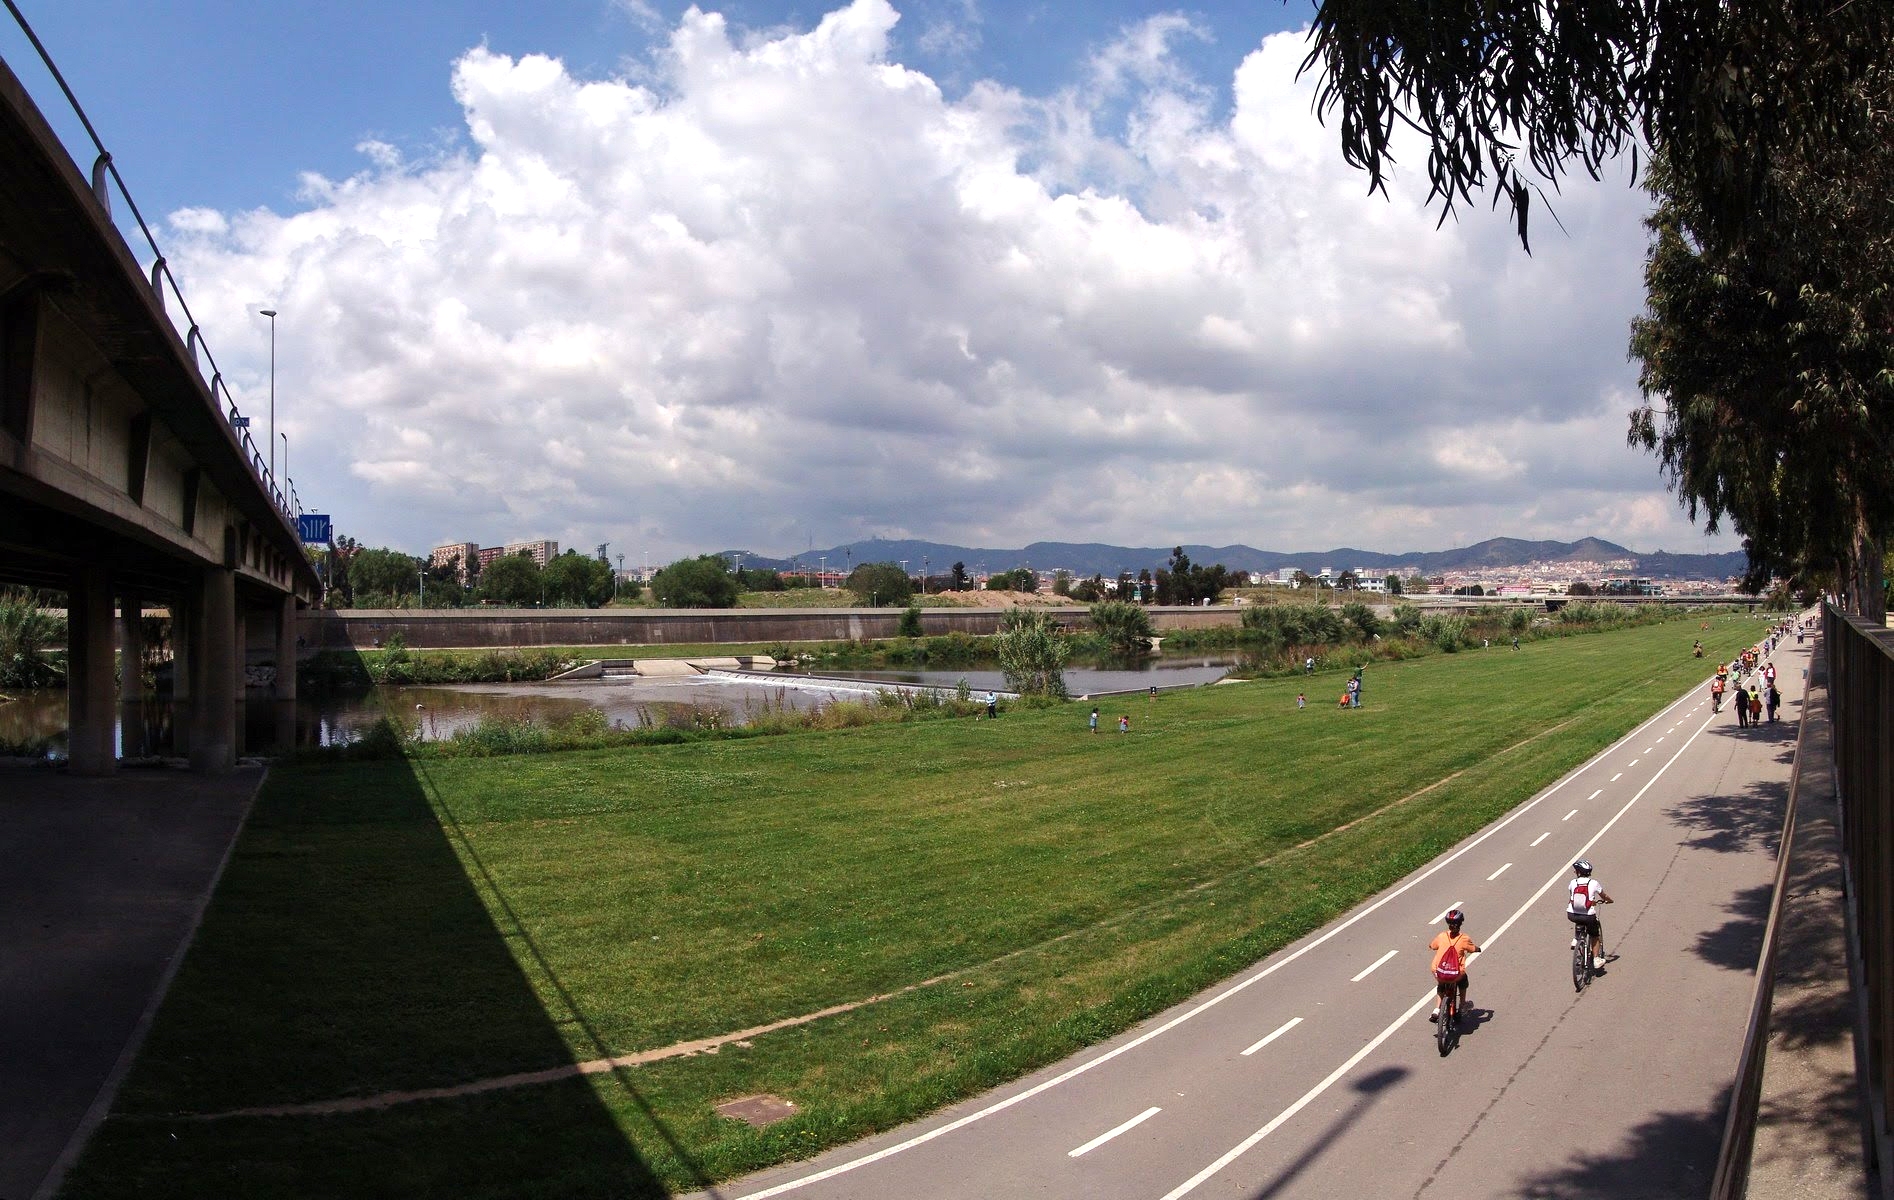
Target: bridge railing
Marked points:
1861	687
106	178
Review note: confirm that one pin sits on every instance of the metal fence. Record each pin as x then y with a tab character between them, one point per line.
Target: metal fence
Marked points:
1861	690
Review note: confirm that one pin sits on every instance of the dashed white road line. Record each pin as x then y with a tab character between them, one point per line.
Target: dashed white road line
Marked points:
1617	777
1596	794
1369	969
1109	1134
1542	837
1568	816
1442	914
1267	1038
1634	762
1497	874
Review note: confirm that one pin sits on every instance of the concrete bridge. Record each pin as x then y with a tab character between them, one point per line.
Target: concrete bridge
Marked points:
126	475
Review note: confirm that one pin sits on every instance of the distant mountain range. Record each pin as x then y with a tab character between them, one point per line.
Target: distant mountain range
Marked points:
1085	559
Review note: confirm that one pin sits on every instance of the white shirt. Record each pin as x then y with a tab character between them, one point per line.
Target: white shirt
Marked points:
1589	904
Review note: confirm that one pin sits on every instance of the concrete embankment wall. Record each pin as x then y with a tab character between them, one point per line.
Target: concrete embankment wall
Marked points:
365	629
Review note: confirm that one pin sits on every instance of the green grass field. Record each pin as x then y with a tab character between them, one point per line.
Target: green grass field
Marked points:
401	926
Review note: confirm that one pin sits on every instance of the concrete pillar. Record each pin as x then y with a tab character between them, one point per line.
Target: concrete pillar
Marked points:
131	650
286	649
92	695
132	742
184	640
214	696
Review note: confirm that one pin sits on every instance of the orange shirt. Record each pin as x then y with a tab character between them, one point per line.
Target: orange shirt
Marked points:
1443	939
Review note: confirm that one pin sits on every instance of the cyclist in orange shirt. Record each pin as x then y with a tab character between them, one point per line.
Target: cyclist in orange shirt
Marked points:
1451	950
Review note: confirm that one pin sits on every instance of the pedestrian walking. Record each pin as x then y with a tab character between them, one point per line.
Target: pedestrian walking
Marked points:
1302	701
992	705
1742	706
1124	723
1773	699
1154	691
1308	666
1755	706
1094	720
1515	641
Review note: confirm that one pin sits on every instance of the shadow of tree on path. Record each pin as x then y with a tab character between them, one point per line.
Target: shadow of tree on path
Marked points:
1669	1157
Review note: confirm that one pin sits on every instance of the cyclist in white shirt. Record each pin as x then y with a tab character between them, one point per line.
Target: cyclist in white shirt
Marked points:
1582	898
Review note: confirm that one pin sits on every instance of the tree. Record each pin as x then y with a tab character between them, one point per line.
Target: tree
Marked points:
1032	652
1579	588
1393	585
880	583
342	554
1416	585
1062	583
1774	366
576	580
382	572
1089	591
1125	627
513	580
1019	579
1508	94
960	581
701	582
759	579
1362	618
1349	582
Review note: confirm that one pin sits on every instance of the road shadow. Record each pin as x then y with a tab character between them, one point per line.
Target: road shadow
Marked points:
348	952
1671	1155
1744	822
1366	1089
1736	944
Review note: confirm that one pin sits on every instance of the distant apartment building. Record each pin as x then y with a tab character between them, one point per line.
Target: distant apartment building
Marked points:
463	555
487	555
540	552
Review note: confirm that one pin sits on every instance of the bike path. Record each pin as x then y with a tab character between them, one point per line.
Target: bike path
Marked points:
1315	1073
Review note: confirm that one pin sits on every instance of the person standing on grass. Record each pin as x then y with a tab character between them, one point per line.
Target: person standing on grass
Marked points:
1124	723
992	705
1742	705
1094	719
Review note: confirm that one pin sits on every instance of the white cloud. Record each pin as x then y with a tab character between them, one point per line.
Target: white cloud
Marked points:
781	288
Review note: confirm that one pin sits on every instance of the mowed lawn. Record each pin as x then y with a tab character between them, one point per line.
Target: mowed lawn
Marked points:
419	925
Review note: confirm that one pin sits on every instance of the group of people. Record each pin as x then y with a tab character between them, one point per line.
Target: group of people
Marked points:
1753	686
1452	949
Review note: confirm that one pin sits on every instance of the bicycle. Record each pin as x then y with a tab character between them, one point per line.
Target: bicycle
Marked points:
1581	957
1447	1027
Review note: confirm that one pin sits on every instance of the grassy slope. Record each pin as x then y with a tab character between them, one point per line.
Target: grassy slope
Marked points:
626	900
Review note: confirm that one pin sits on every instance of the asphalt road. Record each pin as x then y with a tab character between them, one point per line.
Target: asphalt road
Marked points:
1315	1073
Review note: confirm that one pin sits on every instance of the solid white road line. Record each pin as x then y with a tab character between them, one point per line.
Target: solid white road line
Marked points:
1596	794
1109	1134
919	1139
1497	874
1242	1147
1568	816
1267	1038
1542	837
1442	914
1371	966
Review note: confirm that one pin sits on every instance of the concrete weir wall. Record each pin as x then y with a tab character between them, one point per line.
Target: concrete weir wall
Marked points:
364	629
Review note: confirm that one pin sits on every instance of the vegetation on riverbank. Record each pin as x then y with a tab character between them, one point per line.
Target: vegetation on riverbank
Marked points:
1000	893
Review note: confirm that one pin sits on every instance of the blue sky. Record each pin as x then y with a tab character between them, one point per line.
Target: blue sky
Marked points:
764	276
225	103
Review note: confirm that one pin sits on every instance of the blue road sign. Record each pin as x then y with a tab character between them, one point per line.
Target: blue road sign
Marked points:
240	422
313	528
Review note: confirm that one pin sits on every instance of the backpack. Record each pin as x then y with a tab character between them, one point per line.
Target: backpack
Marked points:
1581	896
1450	967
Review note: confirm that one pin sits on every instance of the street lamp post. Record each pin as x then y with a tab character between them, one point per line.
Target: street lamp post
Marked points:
286	483
422	573
923	568
271	314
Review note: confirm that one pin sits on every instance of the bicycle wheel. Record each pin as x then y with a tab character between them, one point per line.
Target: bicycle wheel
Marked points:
1581	958
1449	1019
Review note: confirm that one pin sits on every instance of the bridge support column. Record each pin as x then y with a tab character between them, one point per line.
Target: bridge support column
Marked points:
286	649
214	697
92	700
184	640
131	676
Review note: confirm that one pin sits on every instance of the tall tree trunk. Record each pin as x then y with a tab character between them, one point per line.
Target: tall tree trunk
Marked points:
1871	578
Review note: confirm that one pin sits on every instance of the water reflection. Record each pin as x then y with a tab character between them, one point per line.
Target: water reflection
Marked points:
35	723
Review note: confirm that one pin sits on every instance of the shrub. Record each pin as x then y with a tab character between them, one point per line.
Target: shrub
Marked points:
1363	619
1125	627
1446	632
30	637
910	622
1407	619
1032	653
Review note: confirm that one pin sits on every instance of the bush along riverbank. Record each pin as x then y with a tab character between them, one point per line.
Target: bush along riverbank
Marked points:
395	735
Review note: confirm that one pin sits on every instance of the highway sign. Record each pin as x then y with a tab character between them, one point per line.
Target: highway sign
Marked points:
313	528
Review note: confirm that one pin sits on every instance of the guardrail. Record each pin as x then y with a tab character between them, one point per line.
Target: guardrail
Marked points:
104	176
1861	690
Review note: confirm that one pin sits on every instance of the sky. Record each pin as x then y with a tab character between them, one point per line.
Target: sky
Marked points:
768	277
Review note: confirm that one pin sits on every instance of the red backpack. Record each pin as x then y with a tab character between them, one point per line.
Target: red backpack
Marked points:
1450	967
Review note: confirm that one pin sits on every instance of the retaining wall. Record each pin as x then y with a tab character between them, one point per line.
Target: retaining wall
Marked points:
362	629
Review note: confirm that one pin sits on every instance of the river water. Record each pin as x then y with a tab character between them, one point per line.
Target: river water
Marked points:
34	724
